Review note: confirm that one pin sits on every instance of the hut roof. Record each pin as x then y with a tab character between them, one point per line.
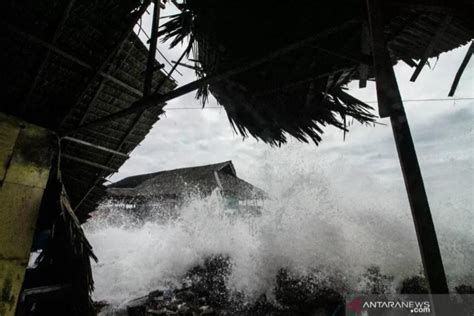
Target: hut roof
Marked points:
302	91
184	181
70	62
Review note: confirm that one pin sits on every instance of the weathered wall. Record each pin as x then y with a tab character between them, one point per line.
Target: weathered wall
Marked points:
25	159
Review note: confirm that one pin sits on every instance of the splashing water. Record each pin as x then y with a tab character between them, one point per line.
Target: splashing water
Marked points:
306	227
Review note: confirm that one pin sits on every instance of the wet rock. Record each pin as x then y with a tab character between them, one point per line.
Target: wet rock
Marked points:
414	285
186	295
204	292
464	289
304	295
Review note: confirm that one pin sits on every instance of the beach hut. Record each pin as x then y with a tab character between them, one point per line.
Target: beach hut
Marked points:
164	191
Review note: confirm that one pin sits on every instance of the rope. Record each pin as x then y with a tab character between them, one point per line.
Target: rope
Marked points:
372	102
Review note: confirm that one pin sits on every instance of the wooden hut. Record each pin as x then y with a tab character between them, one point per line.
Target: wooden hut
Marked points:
164	191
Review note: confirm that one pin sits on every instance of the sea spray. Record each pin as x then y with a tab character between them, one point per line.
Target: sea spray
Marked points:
328	219
304	237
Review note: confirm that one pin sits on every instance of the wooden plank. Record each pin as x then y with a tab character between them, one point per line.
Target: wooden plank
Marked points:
429	49
461	69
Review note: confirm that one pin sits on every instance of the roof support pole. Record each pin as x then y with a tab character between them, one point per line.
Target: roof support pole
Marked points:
390	104
25	161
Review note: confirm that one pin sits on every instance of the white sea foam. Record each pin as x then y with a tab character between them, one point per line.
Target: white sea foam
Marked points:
320	218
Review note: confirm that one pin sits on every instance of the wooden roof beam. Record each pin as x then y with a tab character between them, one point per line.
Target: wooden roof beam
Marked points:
429	49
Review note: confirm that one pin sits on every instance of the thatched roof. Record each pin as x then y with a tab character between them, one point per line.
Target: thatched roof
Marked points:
179	183
71	62
302	91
